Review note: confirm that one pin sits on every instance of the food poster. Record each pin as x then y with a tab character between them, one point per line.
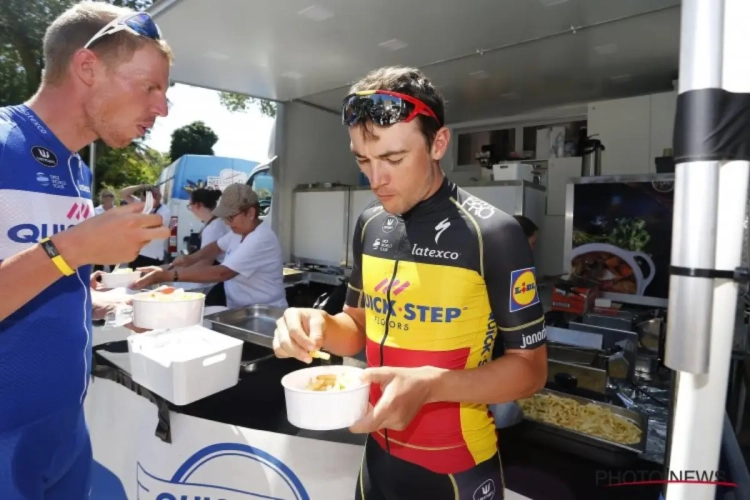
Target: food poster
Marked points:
622	236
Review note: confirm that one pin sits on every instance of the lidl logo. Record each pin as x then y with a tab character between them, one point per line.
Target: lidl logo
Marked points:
523	289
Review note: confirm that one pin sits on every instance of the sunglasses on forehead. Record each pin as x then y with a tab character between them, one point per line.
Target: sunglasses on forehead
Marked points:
383	108
136	23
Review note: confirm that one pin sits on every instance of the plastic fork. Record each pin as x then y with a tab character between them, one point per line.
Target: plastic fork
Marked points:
149	202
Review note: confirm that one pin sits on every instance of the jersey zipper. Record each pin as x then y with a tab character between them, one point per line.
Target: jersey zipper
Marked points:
388	317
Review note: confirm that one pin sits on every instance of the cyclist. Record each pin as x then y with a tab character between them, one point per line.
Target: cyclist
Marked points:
106	74
439	276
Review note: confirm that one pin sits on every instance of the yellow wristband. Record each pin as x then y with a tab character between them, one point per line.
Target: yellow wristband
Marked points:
51	250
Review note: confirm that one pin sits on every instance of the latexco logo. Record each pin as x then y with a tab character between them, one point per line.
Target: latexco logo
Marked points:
486	490
434	254
44	156
201	477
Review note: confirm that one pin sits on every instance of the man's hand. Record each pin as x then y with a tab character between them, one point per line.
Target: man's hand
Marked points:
298	333
94	282
154	277
103	304
405	391
117	235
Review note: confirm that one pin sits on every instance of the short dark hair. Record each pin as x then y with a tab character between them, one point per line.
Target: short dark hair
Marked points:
414	83
529	228
209	198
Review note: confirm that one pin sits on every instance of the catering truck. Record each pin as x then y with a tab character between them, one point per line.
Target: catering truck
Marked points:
527	82
189	173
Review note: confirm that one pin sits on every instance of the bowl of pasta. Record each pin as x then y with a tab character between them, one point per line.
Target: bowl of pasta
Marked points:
323	398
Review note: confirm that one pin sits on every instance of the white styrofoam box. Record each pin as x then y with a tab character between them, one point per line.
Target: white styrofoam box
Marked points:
324	410
185	365
512	172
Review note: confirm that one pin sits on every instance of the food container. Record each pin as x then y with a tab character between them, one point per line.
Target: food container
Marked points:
120	279
185	365
153	310
613	267
584	445
324	410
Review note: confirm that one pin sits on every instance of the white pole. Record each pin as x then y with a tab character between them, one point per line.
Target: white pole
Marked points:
701	397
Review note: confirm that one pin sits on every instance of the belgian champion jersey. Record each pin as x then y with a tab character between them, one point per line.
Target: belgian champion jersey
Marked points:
440	286
45	346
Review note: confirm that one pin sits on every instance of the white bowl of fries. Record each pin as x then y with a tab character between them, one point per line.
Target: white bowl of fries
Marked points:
324	398
166	308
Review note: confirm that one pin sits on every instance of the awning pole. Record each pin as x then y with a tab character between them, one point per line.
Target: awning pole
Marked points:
710	200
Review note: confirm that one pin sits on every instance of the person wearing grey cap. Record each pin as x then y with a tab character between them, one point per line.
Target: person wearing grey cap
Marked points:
252	269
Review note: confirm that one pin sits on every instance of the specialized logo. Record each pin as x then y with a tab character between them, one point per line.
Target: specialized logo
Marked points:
486	490
386	305
442	226
44	156
79	212
523	289
389	224
434	254
533	339
478	207
263	476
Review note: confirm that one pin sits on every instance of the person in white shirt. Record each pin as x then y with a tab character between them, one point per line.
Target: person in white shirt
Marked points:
203	202
153	253
107	200
253	269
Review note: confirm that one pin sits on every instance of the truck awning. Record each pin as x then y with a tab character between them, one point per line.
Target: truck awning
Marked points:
488	57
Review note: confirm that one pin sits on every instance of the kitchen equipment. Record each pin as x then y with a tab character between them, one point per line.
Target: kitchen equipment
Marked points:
592	157
650	334
598	450
573	367
574	296
324	410
513	172
153	311
254	324
619	320
184	365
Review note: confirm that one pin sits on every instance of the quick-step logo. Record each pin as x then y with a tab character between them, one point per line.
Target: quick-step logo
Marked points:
489	340
32	233
262	476
402	310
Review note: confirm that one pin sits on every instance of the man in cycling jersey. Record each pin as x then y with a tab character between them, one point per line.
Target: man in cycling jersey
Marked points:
106	74
439	276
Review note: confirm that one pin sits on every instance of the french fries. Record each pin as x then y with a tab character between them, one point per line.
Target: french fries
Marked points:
330	383
320	355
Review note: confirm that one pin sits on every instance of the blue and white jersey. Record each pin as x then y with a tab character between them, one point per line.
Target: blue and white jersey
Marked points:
45	347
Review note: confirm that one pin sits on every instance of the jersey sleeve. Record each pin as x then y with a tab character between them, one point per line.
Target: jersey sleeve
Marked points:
354	289
510	277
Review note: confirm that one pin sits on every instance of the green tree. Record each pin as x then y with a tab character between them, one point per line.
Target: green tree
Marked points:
193	139
240	102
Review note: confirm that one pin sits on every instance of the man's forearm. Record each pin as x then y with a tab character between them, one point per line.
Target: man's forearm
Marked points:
27	273
203	274
343	336
506	379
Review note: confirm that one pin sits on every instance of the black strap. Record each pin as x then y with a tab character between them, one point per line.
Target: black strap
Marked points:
740	275
712	124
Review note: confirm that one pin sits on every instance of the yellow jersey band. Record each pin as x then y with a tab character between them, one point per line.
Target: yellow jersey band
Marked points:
54	255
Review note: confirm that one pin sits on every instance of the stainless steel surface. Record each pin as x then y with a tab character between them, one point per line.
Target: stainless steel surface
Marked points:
586	377
649	333
637	418
610	336
254	324
574	338
621	320
294	276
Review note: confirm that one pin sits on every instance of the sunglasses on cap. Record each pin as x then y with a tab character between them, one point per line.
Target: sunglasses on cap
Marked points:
137	23
383	108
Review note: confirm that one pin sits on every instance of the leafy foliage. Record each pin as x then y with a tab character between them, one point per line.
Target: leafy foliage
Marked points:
240	102
196	139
